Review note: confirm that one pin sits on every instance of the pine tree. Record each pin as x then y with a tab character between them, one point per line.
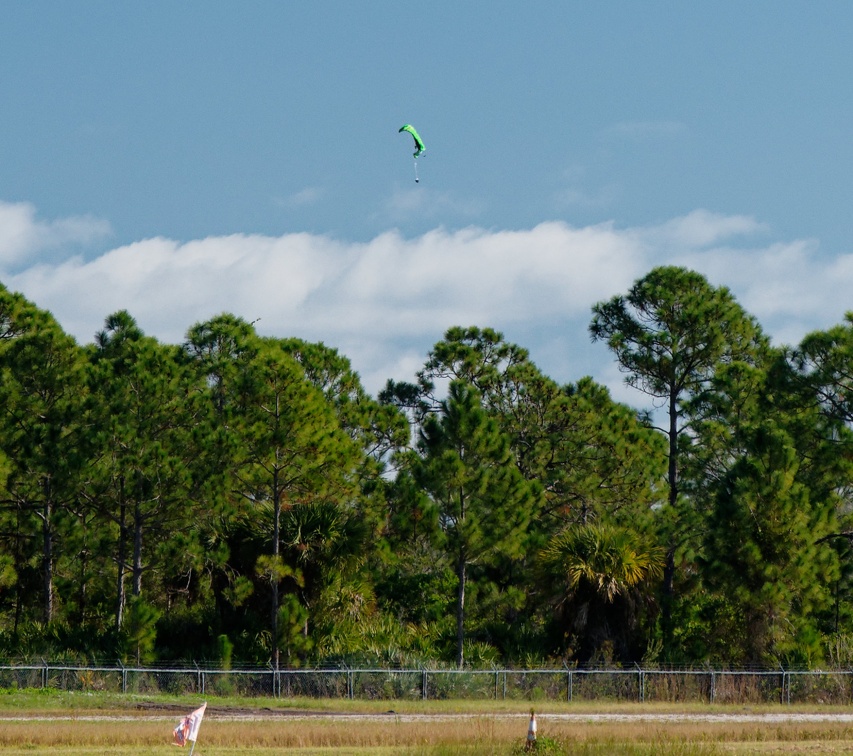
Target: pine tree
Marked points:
483	502
670	334
141	484
41	399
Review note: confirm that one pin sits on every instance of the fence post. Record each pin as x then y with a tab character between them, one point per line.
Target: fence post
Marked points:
712	693
568	683
642	683
123	677
424	687
44	674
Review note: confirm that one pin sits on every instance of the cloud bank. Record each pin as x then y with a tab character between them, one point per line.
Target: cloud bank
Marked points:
23	236
384	302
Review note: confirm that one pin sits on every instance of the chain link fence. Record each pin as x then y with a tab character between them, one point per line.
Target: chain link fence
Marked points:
567	684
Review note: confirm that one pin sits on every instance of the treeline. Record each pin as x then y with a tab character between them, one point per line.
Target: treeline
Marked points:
242	499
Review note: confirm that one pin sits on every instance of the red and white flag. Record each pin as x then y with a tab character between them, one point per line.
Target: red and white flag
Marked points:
188	728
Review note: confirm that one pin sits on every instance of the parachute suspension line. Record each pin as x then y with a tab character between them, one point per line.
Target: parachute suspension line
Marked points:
417	180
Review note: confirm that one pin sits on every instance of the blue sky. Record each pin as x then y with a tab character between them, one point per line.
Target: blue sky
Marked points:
181	159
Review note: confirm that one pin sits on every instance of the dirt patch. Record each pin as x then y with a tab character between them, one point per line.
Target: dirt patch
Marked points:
235	711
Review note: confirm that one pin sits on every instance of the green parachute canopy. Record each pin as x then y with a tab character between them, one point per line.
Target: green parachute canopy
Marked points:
419	143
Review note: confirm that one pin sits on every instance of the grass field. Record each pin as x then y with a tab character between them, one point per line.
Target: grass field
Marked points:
79	724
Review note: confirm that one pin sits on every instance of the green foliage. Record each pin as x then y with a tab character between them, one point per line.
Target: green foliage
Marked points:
483	502
544	745
671	335
224	651
292	636
140	631
242	499
773	571
8	575
599	576
382	640
606	561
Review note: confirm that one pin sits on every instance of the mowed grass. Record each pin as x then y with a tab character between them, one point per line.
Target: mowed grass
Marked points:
89	725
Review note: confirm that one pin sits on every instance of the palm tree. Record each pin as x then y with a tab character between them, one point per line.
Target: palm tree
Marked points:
598	573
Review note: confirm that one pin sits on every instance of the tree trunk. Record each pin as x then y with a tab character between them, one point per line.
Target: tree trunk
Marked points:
47	555
137	550
121	558
461	573
82	595
668	591
19	598
276	550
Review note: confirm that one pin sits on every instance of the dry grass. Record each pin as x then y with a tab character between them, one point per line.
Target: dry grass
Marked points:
479	734
125	726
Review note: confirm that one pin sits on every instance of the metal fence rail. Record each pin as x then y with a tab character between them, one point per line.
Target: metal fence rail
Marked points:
567	684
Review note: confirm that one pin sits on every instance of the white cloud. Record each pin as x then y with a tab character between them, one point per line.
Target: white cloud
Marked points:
385	302
23	236
699	228
788	286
